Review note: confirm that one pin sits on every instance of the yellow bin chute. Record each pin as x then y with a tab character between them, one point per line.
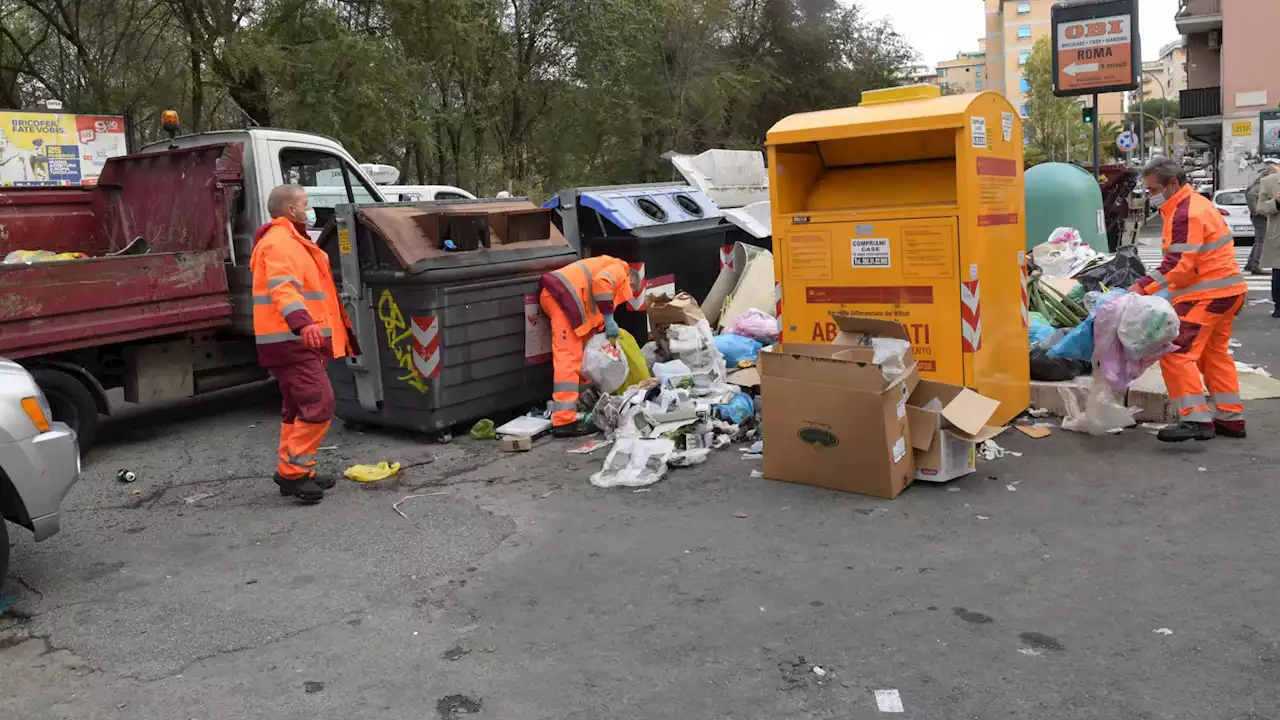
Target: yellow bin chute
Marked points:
909	207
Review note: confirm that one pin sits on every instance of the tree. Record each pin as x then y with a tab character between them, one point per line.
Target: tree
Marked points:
1058	132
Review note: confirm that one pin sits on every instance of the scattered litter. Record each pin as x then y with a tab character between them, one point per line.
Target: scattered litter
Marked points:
757	474
252	427
1203	469
193	499
1156	426
1162	631
756	447
889	701
328	447
1011	488
689	458
1036	431
640	490
547	494
589	447
516	443
953	489
982	517
1235	343
526	425
752	456
819	671
396	505
126	476
739	514
484	430
991	450
311	686
371	473
1031	651
1039	412
634	462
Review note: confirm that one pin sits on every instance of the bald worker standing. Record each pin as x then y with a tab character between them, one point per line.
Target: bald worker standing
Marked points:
300	326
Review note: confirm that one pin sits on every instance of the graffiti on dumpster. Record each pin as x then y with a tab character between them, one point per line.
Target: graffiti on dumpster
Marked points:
400	341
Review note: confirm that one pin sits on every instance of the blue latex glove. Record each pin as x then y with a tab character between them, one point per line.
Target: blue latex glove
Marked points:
610	327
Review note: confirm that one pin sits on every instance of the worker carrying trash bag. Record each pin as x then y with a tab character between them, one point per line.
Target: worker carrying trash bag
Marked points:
580	298
1203	280
300	326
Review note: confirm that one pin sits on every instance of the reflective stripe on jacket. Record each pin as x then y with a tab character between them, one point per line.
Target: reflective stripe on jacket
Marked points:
589	289
1199	253
293	288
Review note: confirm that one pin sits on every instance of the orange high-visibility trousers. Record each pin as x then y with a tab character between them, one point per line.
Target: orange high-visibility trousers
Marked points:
305	416
1203	346
566	355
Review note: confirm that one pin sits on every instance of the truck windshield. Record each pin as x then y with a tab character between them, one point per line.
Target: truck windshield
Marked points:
328	180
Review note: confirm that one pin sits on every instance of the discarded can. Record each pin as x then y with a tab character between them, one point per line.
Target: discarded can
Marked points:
126	476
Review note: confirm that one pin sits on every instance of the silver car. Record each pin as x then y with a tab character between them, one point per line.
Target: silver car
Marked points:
1235	210
39	459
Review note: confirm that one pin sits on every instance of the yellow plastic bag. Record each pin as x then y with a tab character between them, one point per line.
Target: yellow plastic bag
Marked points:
637	369
372	473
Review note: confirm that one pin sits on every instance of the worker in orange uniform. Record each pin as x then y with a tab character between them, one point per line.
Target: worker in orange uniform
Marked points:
1203	280
300	326
580	299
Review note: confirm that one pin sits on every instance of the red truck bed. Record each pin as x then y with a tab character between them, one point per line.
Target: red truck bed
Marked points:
178	201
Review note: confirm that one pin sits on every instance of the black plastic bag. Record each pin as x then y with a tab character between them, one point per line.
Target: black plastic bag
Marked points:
1052	369
1119	273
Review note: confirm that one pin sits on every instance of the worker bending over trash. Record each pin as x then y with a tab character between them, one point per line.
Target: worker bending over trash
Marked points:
300	326
580	299
1203	280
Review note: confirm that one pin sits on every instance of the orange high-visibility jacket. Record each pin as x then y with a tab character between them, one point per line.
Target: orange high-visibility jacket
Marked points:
1199	253
293	288
589	289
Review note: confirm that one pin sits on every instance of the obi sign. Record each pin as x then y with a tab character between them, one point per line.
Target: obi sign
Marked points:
1095	47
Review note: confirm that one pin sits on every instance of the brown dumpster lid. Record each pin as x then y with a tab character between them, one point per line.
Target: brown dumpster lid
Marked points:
402	227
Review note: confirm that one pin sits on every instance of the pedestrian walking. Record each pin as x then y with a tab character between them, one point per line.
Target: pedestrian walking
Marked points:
580	299
1251	197
300	326
1269	205
1202	278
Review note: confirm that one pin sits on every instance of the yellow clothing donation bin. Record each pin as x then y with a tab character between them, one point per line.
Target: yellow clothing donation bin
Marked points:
909	207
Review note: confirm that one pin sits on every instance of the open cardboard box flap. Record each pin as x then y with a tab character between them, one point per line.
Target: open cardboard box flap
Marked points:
825	364
854	328
964	410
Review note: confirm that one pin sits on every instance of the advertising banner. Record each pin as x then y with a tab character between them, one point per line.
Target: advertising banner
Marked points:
49	148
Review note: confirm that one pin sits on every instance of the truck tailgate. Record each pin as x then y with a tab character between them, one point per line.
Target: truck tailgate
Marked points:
178	201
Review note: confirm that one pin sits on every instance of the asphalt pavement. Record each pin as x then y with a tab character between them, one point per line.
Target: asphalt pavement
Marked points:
1088	577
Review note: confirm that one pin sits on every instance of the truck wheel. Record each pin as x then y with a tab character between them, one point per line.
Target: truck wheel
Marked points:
71	403
4	555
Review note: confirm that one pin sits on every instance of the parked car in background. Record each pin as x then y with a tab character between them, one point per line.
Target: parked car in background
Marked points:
39	459
1232	205
423	193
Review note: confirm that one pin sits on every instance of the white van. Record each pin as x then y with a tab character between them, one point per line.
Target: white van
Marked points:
423	193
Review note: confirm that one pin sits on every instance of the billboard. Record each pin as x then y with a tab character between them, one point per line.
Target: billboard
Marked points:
51	148
1270	136
1096	48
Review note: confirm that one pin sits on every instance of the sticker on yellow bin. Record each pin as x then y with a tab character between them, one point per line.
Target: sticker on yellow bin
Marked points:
372	473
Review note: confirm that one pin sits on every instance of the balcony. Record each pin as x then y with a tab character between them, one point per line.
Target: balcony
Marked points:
1198	16
1200	103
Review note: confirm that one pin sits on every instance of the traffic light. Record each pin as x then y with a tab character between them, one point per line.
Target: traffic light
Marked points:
1087	114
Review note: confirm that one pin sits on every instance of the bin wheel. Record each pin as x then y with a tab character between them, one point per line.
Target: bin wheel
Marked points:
71	403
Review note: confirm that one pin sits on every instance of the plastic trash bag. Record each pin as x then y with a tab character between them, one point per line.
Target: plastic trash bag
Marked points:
1149	323
1040	330
1051	369
1149	326
637	368
737	410
737	348
890	355
1101	415
1064	254
634	462
371	473
484	430
1121	271
755	324
603	364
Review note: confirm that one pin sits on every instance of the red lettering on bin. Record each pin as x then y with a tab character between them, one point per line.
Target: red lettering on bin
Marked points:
990	220
896	295
999	167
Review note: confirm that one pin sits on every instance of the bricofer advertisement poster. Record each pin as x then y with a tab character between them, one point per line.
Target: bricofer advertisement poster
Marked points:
47	148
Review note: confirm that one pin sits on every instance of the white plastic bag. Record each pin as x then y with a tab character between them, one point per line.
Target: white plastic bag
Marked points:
603	364
757	325
634	462
1148	326
1102	415
890	354
1064	254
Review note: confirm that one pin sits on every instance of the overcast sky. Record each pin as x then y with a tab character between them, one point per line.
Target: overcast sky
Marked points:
940	28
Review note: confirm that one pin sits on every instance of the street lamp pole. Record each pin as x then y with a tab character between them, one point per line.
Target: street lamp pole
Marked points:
1164	122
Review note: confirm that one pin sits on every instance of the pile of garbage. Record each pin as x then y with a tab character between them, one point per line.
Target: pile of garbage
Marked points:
692	395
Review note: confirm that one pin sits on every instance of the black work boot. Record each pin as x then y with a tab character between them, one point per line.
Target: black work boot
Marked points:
1230	428
1185	431
324	481
578	429
305	489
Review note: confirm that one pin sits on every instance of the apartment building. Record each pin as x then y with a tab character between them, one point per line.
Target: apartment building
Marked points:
965	74
1013	27
1164	78
1229	82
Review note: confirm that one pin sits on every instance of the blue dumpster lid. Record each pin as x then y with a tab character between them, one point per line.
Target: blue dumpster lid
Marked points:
637	206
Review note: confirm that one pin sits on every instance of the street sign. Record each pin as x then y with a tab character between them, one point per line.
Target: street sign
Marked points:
1127	141
1096	48
1269	141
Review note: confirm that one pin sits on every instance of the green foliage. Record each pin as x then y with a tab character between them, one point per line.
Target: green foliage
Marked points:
1057	132
485	94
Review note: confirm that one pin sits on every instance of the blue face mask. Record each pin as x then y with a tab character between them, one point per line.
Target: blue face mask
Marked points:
311	217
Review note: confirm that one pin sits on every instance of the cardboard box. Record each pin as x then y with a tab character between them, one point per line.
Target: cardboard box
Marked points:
945	434
832	418
517	443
